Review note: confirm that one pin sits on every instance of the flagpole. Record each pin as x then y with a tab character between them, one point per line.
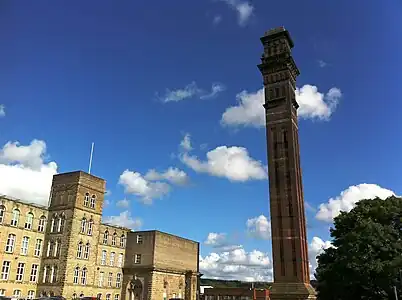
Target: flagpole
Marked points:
90	158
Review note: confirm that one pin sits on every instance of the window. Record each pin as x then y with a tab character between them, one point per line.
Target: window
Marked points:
29	221
114	239
57	247
53	277
164	296
103	258
16	217
107	296
10	243
60	225
84	276
83	225
34	273
93	198
118	280
17	293
120	260
38	247
2	292
101	276
81	295
20	272
42	223
110	279
46	274
76	275
105	237
86	251
53	224
86	199
24	245
137	259
31	294
123	241
111	261
74	296
2	213
5	270
50	245
90	225
99	296
116	297
79	250
139	239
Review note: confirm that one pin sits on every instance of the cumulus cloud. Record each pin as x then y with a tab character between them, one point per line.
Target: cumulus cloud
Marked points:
233	163
154	185
259	227
220	242
24	174
244	10
173	175
315	248
249	111
237	264
124	203
2	110
124	219
191	91
348	198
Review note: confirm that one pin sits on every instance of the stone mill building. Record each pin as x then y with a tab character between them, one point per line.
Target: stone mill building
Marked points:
65	249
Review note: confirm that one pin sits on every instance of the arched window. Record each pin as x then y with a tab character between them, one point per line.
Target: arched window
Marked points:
29	221
60	225
81	295
114	239
50	247
103	257
54	274
2	213
42	224
123	241
76	275
53	223
93	199
86	250
16	217
57	247
112	256
90	227
105	237
47	274
86	199
51	293
99	296
74	296
79	250
84	276
83	225
107	296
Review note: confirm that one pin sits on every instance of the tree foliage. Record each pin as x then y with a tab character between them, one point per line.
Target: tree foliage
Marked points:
366	260
221	283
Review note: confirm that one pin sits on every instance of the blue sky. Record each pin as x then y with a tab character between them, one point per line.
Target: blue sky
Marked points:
138	77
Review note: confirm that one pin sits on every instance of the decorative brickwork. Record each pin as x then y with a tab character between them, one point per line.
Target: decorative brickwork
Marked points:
289	238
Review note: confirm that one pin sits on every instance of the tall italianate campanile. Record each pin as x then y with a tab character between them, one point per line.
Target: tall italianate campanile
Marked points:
289	239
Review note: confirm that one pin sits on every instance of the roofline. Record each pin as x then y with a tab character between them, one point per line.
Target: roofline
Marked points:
166	233
24	202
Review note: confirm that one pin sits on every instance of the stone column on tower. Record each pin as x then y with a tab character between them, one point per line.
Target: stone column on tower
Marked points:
289	238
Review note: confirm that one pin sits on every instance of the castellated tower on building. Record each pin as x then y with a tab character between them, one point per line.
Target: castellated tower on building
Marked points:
289	238
65	249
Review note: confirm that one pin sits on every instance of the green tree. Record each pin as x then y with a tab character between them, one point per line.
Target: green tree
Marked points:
366	260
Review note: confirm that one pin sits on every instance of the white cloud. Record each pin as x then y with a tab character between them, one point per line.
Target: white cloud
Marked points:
250	112
2	110
124	219
134	183
259	227
191	91
233	163
185	144
315	248
237	264
24	173
348	198
124	203
215	239
173	175
244	10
